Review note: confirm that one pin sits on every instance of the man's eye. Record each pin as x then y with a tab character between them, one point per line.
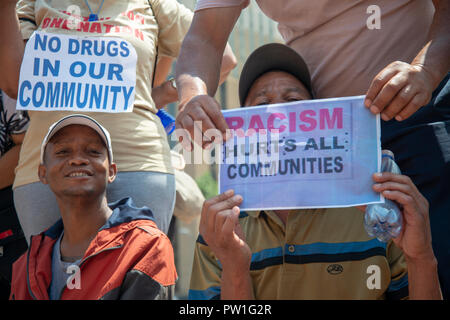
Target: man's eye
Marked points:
291	99
61	152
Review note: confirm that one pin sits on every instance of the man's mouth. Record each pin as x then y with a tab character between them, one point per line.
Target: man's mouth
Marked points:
75	174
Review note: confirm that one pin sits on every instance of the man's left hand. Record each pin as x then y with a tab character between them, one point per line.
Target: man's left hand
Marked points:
415	237
399	90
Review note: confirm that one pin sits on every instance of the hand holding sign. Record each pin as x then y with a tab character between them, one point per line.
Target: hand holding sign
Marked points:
415	238
399	90
205	109
219	227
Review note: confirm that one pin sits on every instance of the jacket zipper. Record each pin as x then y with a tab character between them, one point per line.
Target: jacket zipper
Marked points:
84	260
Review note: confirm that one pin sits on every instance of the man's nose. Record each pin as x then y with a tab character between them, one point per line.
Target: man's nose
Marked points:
78	159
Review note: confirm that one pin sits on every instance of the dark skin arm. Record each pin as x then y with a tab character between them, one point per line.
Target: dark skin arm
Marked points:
415	237
11	48
164	93
401	88
198	69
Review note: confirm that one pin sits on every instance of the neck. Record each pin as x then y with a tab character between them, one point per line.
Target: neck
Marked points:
283	215
82	217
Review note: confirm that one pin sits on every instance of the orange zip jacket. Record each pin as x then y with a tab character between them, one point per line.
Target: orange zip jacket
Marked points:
130	258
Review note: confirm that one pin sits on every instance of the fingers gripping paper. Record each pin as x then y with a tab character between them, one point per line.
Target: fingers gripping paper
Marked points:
83	74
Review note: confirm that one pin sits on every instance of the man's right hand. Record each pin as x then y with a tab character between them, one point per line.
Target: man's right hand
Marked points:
220	228
202	113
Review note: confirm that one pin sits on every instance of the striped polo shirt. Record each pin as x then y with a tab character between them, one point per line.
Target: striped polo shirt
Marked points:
319	254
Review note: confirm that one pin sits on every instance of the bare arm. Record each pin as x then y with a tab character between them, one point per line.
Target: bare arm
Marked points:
11	48
164	93
229	62
402	88
8	162
198	68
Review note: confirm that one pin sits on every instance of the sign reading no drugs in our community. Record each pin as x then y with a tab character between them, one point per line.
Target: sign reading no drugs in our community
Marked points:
72	73
305	154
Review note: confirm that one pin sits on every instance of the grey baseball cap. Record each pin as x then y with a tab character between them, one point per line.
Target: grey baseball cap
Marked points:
272	57
80	119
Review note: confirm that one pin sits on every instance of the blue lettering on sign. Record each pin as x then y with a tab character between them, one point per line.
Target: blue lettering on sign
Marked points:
86	47
38	102
101	72
25	84
82	103
98	52
47	66
52	95
42	42
126	96
112	51
67	94
105	99
125	51
96	94
54	44
74	46
36	66
115	69
82	69
115	89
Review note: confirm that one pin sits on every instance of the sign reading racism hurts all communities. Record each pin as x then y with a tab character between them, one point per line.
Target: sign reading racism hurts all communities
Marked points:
304	154
83	74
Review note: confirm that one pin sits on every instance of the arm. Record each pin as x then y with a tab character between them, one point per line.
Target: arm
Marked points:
415	237
401	88
11	48
219	226
9	160
229	62
198	66
164	92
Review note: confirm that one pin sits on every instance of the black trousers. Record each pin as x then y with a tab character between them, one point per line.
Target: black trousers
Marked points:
421	145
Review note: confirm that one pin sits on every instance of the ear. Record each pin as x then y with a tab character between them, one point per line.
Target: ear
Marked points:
112	172
42	173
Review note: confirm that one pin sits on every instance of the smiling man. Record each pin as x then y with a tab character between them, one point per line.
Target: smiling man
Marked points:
96	251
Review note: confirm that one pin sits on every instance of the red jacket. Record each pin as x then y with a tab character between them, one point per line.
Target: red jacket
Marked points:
130	258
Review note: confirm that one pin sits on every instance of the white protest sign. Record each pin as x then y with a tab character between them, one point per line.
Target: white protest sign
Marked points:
304	154
81	74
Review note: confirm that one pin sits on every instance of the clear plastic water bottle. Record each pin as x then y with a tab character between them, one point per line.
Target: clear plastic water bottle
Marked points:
167	120
384	220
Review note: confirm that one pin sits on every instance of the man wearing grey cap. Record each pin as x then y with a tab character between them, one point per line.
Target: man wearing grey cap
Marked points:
320	253
96	251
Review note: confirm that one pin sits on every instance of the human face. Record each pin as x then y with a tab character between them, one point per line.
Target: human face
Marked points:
76	163
276	87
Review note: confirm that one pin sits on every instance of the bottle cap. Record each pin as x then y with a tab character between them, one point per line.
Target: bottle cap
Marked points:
387	153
